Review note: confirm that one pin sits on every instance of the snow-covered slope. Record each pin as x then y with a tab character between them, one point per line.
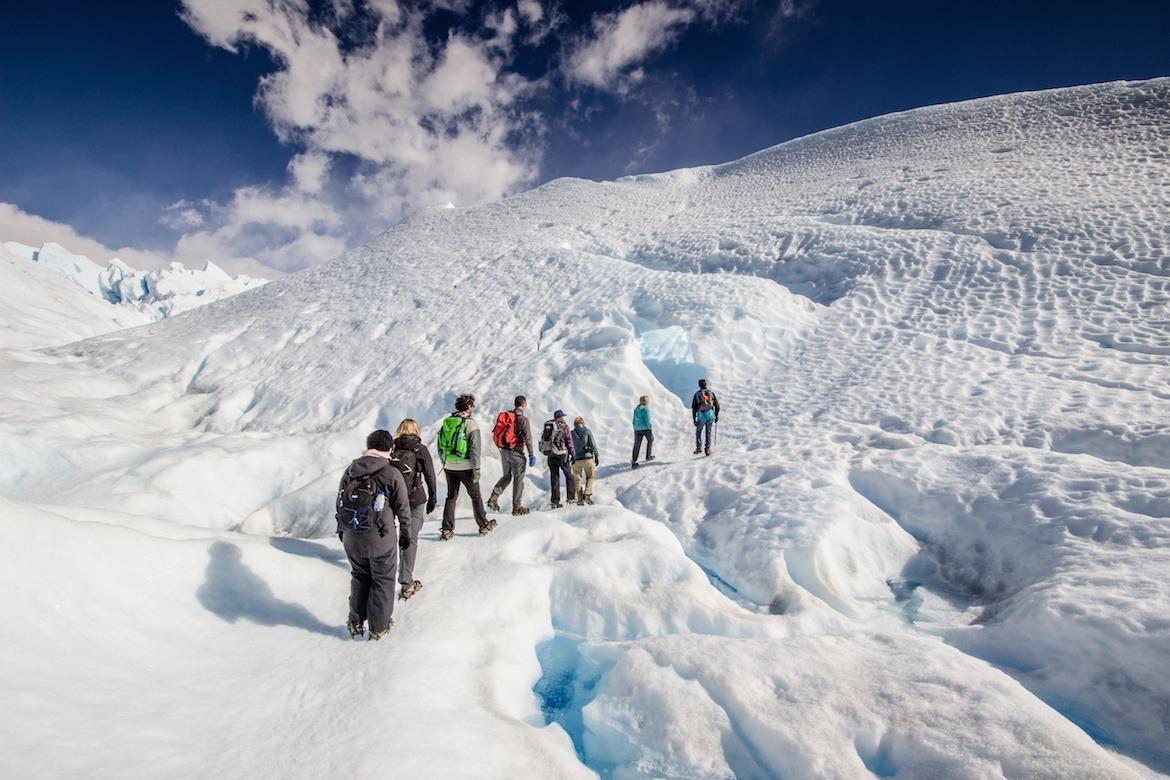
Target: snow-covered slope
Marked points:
53	296
931	542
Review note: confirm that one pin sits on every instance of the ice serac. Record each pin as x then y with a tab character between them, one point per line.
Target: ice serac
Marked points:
928	543
54	311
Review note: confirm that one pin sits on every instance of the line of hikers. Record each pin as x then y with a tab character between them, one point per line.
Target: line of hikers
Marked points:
393	483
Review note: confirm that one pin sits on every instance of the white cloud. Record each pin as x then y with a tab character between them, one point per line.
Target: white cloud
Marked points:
427	123
184	214
309	171
619	41
531	10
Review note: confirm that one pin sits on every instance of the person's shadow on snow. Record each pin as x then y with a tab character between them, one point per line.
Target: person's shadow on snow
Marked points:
308	549
232	592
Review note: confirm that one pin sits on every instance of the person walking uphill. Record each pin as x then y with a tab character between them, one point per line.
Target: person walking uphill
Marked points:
512	434
371	495
643	429
414	461
557	443
585	446
459	450
705	411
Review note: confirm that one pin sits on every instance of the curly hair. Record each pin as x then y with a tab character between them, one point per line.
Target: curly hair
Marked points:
380	440
464	402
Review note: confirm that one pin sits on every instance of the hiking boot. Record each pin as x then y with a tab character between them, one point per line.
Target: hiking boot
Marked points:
651	457
493	503
698	450
355	629
376	635
588	500
557	505
445	534
410	590
634	464
520	510
708	453
487	527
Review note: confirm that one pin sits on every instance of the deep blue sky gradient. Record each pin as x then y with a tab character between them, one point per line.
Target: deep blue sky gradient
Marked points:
111	111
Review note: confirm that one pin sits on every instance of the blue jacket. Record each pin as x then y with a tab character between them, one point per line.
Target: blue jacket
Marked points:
708	415
642	418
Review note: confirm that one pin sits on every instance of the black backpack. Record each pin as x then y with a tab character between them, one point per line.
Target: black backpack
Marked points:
356	499
406	460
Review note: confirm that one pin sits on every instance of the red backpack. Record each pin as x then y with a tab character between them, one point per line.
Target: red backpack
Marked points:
504	434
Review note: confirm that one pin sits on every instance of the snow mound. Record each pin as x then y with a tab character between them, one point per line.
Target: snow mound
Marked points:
929	542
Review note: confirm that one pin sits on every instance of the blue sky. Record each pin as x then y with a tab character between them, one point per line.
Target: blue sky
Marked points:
277	133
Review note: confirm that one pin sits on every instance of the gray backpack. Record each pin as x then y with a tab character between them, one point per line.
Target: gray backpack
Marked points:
552	440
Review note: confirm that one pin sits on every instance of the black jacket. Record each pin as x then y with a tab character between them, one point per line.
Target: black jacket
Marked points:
423	458
373	544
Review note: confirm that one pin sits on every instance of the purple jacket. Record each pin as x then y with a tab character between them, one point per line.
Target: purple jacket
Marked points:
567	436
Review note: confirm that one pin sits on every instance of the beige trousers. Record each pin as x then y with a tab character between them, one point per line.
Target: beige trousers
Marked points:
583	472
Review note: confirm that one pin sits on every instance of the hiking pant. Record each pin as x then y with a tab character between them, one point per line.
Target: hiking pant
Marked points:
583	471
700	426
514	464
466	478
648	435
557	465
371	589
406	568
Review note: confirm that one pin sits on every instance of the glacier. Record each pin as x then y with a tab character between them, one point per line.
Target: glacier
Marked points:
931	541
57	313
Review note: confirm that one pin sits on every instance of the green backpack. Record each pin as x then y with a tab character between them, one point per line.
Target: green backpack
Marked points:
453	438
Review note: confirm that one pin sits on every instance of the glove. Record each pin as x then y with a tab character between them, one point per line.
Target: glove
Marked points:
404	542
596	462
531	460
475	474
430	505
340	536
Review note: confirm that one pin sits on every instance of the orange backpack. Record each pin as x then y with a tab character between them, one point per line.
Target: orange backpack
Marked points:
504	434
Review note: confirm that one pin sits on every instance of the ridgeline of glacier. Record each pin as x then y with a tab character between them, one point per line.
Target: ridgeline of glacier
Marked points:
932	542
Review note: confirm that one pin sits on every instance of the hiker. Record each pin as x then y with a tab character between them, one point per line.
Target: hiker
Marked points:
512	434
459	450
557	443
371	495
413	459
643	429
585	448
705	411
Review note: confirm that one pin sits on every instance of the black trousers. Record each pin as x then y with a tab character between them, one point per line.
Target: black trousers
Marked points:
558	465
648	435
371	589
466	479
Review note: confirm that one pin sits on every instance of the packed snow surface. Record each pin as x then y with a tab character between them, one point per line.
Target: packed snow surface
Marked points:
931	541
52	296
